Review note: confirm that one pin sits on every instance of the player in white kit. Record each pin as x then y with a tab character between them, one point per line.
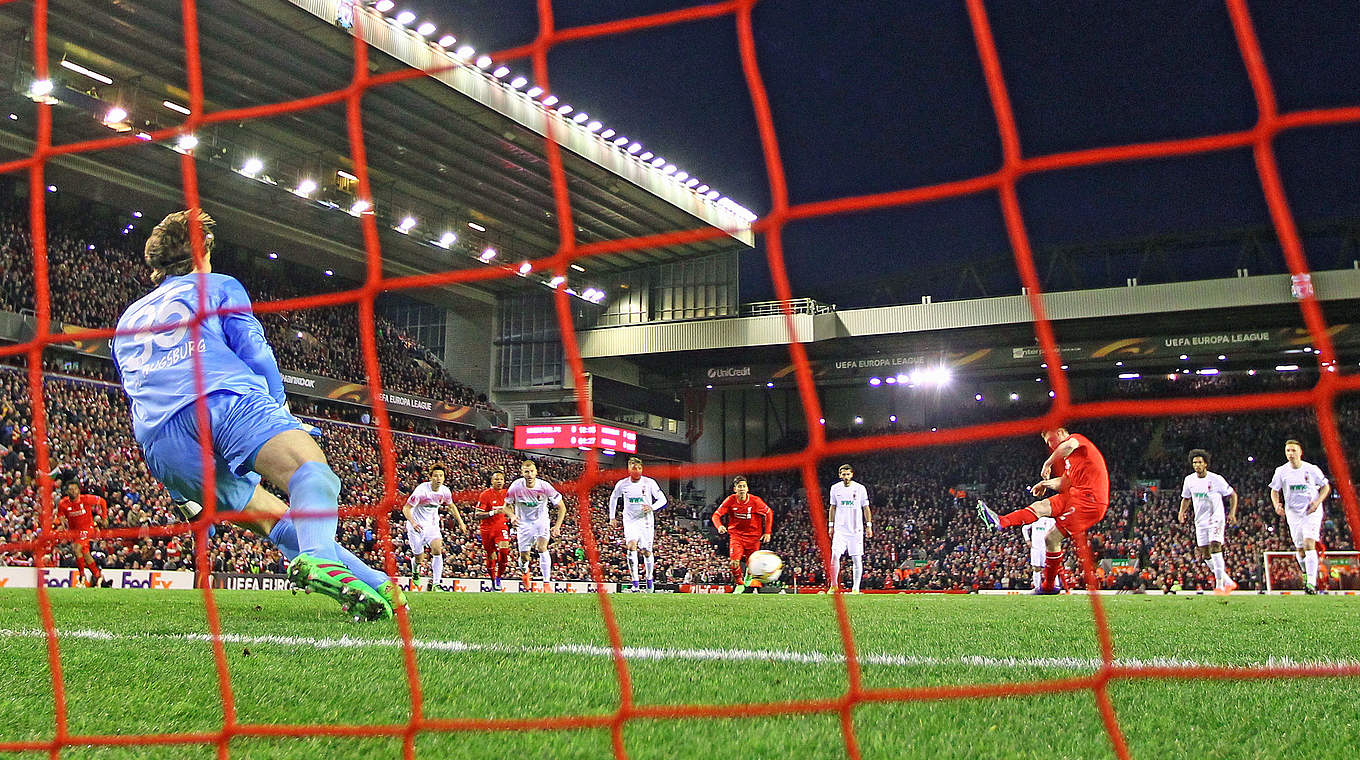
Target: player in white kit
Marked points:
422	525
1206	491
1036	533
530	496
849	523
641	497
1297	490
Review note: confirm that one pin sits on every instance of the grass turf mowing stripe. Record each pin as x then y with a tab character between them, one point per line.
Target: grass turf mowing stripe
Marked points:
662	654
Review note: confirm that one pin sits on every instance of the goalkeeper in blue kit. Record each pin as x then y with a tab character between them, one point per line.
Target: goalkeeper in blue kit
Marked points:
254	435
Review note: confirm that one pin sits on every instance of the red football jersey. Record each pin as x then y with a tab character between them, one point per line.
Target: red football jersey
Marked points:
488	500
1087	477
81	511
752	517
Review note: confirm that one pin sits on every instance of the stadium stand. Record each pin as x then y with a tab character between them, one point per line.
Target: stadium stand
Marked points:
109	275
927	535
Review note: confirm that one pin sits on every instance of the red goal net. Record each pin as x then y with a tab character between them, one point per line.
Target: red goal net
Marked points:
1002	183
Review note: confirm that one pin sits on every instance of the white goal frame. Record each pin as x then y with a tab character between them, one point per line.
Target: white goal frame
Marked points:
1265	565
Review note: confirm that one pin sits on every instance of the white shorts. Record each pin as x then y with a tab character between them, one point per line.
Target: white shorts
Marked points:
845	542
639	529
1303	525
421	536
1209	530
1038	542
529	532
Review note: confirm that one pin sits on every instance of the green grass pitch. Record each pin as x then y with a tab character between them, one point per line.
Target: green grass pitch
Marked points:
137	662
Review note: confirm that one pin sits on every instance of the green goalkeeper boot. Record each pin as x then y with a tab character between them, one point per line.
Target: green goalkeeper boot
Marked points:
336	581
393	594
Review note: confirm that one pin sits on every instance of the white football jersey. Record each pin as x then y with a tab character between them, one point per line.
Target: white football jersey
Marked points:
849	503
635	496
531	504
425	502
1206	493
1298	485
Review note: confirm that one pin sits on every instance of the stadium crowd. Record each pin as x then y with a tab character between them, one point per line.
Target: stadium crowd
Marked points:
108	276
927	534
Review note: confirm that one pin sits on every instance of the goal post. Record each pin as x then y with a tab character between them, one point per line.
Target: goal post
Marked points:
1337	571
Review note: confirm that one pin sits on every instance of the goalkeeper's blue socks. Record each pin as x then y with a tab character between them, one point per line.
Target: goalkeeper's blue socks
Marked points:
284	536
314	505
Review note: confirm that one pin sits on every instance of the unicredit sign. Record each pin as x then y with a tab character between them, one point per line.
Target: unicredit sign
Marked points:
716	373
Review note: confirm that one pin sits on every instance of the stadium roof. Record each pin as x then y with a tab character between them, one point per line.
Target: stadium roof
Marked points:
450	151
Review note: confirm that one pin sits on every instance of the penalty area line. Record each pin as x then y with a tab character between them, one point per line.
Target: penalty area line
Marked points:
678	654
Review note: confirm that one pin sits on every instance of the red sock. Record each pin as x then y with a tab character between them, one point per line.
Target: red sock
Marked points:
80	567
1053	562
502	558
1022	516
491	565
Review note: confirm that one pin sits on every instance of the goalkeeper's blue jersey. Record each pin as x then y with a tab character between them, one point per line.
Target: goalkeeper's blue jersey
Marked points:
157	366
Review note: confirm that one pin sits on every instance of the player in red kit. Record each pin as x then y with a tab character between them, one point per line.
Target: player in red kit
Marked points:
495	520
1082	485
83	513
749	522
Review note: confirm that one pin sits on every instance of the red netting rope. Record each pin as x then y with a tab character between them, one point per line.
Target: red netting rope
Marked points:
1015	165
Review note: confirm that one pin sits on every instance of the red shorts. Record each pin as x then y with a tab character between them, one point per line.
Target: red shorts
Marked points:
1075	514
741	547
491	539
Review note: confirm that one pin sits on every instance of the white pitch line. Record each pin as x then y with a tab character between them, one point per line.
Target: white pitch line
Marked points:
662	654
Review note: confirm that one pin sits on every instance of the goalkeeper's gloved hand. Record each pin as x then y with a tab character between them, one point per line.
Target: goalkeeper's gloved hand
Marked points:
189	510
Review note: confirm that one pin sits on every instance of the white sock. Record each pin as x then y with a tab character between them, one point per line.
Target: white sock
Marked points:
545	565
1303	568
650	562
1310	560
1220	569
1038	578
437	568
859	569
835	578
1213	566
415	565
632	566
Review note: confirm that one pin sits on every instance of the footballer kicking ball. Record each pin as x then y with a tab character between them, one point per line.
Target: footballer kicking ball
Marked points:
765	566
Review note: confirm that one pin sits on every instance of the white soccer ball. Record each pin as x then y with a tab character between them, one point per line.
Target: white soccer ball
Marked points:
765	565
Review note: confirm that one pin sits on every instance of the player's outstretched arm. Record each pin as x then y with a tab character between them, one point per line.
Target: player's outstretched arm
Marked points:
245	337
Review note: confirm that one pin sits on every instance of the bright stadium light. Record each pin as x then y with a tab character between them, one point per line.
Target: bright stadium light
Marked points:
405	17
634	148
342	174
447	41
465	52
556	281
620	141
608	133
328	272
875	382
578	267
565	109
500	71
668	169
892	418
859	420
176	107
1015	397
977	397
1185	357
682	176
1207	371
41	91
447	239
518	82
534	91
305	188
186	143
581	117
691	182
407	224
252	167
769	384
359	207
1286	368
658	162
77	68
488	254
426	29
594	126
702	189
712	195
477	226
550	101
483	61
1222	357
647	156
273	255
383	6
115	115
1129	376
525	268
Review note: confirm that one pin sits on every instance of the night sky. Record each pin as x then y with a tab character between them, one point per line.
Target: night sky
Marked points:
876	96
